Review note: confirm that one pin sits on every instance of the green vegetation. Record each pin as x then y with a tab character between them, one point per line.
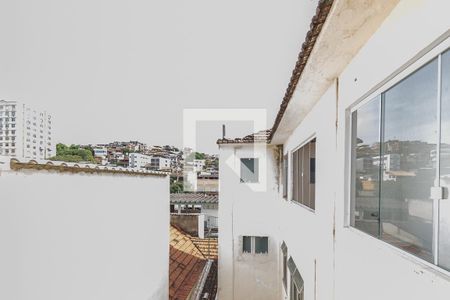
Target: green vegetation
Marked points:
199	155
73	153
176	186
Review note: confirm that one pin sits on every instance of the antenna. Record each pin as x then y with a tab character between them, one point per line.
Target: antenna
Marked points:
223	131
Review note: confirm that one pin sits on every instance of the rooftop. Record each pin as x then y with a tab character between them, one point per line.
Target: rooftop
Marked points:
186	265
194	198
323	8
262	136
64	167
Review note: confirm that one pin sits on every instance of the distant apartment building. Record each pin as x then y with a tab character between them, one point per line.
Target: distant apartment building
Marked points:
137	160
100	152
159	163
25	132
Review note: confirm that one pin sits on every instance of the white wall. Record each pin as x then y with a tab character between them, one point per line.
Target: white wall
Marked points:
335	261
244	211
78	236
309	234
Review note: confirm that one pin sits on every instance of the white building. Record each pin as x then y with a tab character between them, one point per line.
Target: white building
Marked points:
160	163
199	164
100	152
72	232
137	160
25	132
297	218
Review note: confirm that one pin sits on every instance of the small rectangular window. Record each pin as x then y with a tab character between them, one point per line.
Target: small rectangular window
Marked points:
249	170
255	244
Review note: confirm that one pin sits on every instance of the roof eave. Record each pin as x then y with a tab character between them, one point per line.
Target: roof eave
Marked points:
338	31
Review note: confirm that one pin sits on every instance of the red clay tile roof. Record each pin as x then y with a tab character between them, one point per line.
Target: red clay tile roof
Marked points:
64	167
208	247
186	265
259	137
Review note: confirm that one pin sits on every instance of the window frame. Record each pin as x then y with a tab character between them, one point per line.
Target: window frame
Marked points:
256	167
291	173
429	53
296	281
284	266
253	245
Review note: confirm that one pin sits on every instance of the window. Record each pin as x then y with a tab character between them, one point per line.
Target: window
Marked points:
261	244
285	175
285	258
255	244
304	174
249	170
297	284
247	244
400	158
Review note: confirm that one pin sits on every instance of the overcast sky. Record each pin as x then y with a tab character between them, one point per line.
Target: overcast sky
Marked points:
125	70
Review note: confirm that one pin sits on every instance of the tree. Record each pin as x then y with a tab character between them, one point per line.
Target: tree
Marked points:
176	187
73	154
199	155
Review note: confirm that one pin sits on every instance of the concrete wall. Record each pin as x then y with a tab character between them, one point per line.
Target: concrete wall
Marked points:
187	222
79	236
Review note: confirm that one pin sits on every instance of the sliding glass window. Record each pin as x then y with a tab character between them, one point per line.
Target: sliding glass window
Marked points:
400	154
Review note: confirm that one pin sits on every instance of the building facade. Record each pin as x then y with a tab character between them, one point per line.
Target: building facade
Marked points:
159	163
348	196
137	160
25	132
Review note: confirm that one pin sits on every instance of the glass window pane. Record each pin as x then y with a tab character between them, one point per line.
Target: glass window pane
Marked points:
312	174
444	206
407	172
249	170
305	175
261	244
285	175
246	244
295	176
365	167
293	293
284	269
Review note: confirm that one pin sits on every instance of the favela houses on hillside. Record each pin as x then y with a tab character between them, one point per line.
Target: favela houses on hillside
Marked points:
345	195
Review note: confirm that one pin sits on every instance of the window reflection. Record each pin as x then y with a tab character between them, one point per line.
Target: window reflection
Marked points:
408	170
394	155
366	145
444	206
